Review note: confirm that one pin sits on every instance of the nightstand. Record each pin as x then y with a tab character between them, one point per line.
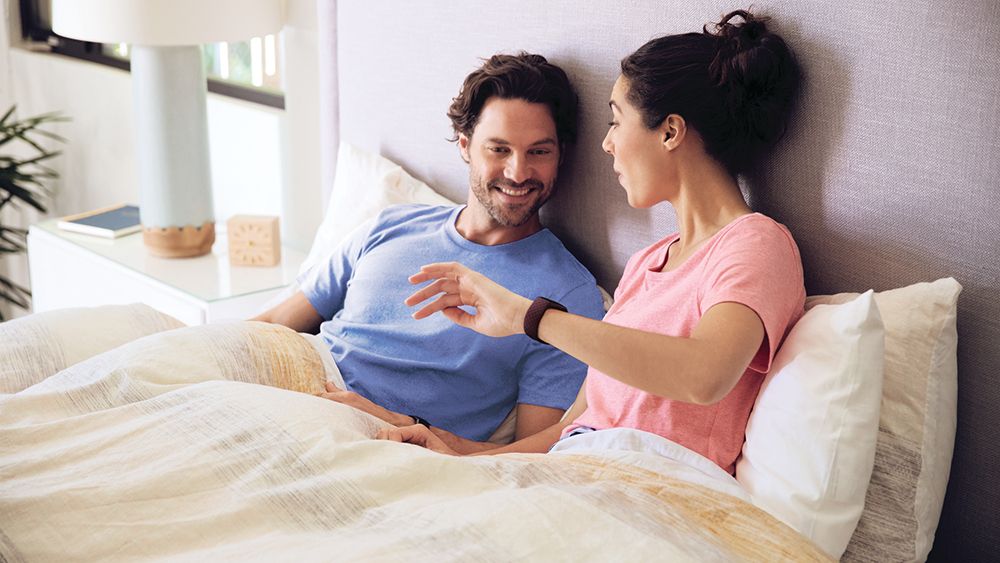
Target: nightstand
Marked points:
75	270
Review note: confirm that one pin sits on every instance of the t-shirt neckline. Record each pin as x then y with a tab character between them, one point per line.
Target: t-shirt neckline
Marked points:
661	262
467	244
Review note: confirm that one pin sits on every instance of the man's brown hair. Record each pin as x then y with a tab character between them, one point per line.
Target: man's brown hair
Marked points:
522	76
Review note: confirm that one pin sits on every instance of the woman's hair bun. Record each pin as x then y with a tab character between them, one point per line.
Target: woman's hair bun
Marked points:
737	37
756	72
734	85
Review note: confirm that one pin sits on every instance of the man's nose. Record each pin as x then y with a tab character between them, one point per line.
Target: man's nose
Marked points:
517	169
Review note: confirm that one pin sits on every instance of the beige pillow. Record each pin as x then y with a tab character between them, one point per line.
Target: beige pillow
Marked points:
36	346
916	424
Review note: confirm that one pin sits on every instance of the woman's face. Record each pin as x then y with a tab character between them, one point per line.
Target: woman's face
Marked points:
639	154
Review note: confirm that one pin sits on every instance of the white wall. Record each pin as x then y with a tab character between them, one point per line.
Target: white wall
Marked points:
264	161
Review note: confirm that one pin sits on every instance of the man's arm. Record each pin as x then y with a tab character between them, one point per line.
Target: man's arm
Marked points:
539	442
532	419
296	312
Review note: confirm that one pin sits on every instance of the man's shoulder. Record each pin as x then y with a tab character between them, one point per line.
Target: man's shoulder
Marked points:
562	260
414	215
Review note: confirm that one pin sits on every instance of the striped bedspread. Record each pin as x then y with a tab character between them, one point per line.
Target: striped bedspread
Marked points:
206	443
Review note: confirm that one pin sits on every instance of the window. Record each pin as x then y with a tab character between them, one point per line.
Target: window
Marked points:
248	70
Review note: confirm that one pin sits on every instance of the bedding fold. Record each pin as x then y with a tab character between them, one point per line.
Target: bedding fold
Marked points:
205	443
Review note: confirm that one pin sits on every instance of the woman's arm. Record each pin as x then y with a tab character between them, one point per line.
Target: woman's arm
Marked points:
703	368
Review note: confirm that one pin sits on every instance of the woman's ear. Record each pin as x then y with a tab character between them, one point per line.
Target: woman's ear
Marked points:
672	130
463	147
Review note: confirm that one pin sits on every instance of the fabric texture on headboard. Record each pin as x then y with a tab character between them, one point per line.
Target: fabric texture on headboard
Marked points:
888	176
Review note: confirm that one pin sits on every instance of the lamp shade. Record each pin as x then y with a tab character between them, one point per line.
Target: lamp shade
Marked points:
168	92
166	22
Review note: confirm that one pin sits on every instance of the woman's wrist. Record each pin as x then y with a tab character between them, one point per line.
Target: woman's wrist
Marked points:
523	304
533	316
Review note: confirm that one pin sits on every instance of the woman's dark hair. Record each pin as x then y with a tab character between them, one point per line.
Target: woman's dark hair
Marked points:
522	76
735	86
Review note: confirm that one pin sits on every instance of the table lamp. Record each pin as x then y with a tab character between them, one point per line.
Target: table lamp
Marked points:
168	91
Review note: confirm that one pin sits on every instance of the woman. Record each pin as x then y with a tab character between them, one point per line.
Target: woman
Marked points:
698	315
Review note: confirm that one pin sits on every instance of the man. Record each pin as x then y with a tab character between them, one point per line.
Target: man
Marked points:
512	120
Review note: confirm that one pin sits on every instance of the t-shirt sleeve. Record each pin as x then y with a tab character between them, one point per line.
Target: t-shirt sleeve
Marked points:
325	284
761	269
548	376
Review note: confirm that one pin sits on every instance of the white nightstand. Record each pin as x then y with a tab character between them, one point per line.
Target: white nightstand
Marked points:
74	270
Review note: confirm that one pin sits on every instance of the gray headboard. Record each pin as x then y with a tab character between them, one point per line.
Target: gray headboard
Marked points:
890	174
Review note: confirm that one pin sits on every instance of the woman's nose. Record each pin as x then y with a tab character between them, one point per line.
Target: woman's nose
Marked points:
606	144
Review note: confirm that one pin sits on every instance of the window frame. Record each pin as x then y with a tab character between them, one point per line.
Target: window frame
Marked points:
34	29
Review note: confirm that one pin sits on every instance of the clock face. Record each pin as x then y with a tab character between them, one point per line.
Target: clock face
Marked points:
252	244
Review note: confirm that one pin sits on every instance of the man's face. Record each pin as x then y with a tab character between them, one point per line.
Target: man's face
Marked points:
513	158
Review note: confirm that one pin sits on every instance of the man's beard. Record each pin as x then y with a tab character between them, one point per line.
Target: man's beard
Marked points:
509	215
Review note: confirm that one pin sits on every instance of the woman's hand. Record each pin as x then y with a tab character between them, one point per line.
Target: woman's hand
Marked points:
417	434
499	312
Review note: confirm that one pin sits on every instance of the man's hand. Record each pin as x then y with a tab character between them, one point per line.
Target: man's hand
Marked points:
416	434
463	446
352	399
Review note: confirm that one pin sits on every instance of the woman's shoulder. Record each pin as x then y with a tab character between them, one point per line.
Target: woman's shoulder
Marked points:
757	229
755	238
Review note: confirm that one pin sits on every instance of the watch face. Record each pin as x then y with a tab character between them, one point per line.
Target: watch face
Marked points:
252	244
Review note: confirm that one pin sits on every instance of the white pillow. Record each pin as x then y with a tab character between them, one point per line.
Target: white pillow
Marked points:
810	440
917	425
365	184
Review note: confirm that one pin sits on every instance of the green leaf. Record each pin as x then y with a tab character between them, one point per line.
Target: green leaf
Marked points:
14	293
9	113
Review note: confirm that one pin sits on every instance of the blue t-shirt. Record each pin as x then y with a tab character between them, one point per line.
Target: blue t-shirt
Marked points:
455	378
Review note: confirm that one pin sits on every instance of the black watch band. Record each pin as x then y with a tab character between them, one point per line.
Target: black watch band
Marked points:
418	420
535	313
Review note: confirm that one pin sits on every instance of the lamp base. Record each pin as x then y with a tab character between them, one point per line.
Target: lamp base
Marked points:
179	242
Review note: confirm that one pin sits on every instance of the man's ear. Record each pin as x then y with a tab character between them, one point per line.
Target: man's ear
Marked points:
463	147
672	129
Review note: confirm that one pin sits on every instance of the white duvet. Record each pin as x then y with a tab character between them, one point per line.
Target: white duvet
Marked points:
206	443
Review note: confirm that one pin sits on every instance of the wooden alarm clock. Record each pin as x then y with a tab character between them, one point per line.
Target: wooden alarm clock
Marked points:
254	240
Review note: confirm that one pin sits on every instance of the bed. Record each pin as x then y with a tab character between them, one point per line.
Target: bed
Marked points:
126	436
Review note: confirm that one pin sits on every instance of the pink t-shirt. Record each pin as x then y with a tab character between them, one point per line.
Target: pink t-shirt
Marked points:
753	261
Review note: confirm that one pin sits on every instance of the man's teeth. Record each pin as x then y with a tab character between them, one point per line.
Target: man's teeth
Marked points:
511	192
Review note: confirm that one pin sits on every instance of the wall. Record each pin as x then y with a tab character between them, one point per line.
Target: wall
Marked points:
256	151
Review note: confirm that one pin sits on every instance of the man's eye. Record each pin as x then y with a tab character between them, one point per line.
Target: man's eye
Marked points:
612	123
540	152
497	149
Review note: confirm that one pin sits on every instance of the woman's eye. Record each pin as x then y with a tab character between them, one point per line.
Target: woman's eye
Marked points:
612	123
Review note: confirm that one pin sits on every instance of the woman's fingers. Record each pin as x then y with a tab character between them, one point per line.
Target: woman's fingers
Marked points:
440	286
438	270
442	303
459	317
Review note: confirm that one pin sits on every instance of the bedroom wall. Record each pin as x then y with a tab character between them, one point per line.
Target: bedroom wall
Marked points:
257	151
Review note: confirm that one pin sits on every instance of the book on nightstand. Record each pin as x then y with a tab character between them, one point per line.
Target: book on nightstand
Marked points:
108	222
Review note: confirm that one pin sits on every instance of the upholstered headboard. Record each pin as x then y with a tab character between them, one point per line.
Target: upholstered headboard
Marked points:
890	174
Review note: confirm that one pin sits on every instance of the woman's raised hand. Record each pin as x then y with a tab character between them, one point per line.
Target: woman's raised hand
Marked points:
499	312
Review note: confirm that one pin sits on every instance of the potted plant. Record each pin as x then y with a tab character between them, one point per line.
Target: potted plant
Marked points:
23	180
